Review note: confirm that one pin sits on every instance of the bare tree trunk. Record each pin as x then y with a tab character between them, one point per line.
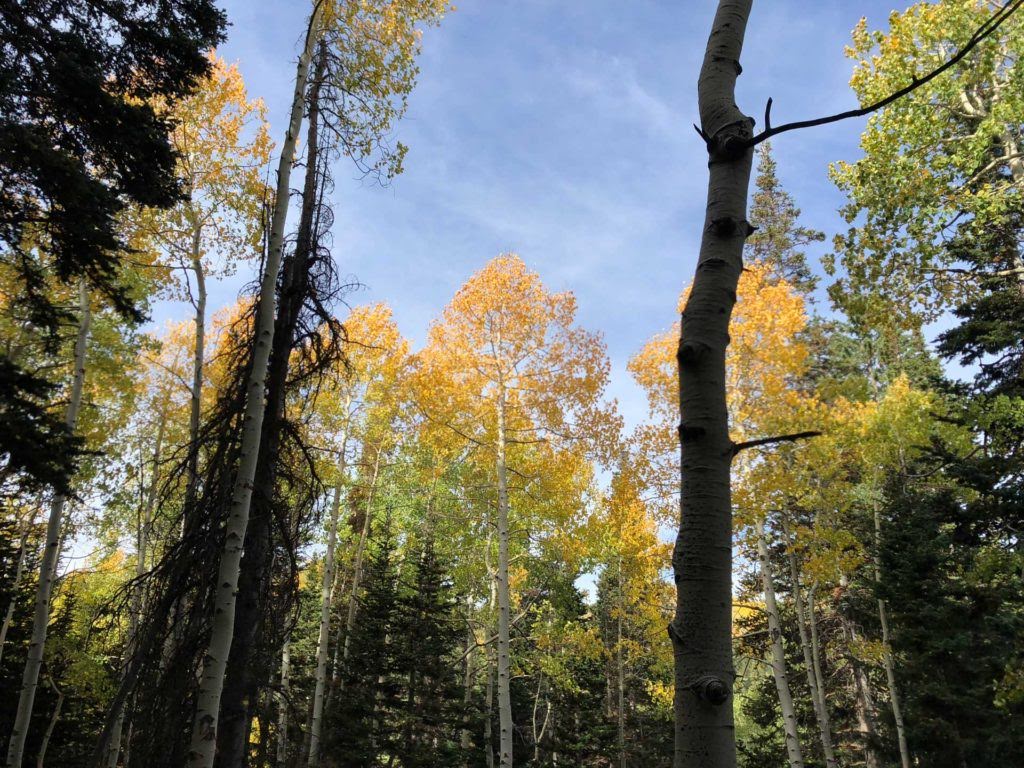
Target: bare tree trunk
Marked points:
702	561
887	659
504	597
357	568
282	705
812	620
316	718
204	728
25	526
142	544
488	728
45	743
814	681
48	564
789	723
195	406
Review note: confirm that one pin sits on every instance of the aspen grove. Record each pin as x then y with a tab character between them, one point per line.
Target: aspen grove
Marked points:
499	449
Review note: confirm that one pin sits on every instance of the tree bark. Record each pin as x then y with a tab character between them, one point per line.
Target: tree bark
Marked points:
48	564
814	681
504	597
702	560
789	722
204	727
488	726
316	719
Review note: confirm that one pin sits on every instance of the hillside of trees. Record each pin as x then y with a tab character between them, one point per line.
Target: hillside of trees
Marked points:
279	533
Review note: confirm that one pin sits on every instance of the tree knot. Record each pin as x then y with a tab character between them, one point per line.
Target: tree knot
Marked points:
711	689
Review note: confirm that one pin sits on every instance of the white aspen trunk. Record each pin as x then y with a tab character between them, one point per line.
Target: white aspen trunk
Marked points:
18	573
504	597
142	545
887	658
701	629
282	705
488	728
51	552
789	723
357	568
812	620
47	735
195	405
316	719
814	682
204	727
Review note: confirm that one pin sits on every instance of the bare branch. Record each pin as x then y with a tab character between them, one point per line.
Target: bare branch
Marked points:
982	33
737	447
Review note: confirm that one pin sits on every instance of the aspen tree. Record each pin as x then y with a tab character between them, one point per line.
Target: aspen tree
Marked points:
505	366
48	562
789	722
360	403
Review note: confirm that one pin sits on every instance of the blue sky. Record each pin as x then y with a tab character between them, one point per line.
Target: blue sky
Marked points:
561	129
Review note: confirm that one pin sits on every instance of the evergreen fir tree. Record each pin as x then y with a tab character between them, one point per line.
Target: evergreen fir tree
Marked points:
428	634
780	238
360	728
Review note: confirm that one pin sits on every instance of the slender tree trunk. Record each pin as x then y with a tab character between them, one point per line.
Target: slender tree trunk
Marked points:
504	597
357	568
25	527
316	719
282	705
243	679
814	681
195	406
702	560
488	725
887	658
142	544
204	728
812	620
48	564
789	722
45	743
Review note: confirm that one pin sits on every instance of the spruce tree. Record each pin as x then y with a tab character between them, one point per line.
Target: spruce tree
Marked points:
780	238
429	633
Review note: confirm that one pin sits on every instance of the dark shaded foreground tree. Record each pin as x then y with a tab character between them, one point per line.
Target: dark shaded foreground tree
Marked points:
702	560
79	141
